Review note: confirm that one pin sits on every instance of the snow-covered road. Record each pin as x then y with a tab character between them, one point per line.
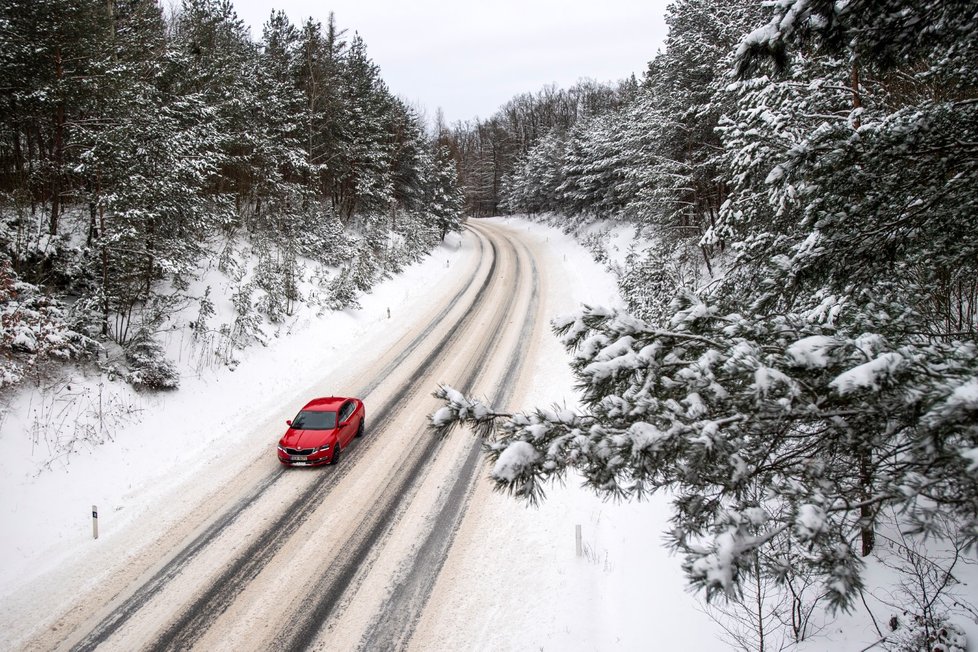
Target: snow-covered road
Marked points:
207	544
343	556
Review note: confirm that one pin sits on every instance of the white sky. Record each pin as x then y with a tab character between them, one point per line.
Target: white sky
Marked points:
470	57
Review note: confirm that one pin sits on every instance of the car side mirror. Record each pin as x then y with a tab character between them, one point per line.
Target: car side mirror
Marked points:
288	422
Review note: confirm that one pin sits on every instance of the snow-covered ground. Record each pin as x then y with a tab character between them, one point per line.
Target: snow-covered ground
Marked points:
525	587
624	587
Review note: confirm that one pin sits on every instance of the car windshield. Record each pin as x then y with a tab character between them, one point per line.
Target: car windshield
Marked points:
309	420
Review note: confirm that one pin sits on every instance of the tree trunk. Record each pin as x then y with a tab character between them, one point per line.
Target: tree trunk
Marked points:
856	97
32	154
18	156
105	273
92	221
866	517
58	150
150	257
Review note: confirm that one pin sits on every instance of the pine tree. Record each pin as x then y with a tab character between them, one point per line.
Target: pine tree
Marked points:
163	135
832	372
320	63
54	58
365	155
443	197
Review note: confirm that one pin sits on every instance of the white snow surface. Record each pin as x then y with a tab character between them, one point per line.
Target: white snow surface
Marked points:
514	459
812	352
527	590
868	375
626	591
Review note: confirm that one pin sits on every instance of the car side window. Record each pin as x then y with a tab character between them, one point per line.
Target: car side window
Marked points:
346	411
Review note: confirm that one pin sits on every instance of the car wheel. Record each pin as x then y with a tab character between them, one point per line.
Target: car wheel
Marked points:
360	429
336	455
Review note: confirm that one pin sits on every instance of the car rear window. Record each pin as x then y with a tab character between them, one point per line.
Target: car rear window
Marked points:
309	420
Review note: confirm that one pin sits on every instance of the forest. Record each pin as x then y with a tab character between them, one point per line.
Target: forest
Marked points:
138	146
797	364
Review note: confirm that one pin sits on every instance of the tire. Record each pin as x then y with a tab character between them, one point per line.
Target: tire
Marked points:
336	455
360	429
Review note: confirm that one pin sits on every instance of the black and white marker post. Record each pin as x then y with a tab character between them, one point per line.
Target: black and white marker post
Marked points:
94	522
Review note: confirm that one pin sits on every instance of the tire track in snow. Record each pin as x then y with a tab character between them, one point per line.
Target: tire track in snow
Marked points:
398	616
324	601
118	617
208	606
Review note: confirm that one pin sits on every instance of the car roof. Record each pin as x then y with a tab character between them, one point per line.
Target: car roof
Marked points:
325	403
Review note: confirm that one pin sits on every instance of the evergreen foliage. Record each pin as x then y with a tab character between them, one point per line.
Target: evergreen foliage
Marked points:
132	145
149	368
820	156
492	155
35	331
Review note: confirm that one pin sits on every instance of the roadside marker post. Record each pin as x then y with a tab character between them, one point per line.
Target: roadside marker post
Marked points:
577	540
94	522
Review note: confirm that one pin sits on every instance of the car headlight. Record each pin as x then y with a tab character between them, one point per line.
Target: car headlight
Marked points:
281	449
322	448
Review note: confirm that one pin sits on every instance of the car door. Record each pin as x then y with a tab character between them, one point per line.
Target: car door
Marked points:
347	427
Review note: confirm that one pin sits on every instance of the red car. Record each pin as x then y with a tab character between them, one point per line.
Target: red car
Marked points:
321	430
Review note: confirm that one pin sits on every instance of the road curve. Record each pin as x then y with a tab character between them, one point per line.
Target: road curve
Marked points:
343	557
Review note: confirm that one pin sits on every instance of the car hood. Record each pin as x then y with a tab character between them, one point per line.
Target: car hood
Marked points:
307	438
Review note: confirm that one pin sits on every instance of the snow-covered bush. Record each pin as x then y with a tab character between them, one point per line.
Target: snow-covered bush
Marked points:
365	270
416	235
205	311
148	366
245	330
35	330
918	636
323	234
927	592
343	288
277	276
596	244
650	278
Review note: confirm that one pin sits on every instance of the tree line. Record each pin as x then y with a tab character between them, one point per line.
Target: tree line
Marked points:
487	151
133	144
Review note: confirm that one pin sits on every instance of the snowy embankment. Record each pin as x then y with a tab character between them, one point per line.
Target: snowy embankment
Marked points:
93	440
176	446
522	584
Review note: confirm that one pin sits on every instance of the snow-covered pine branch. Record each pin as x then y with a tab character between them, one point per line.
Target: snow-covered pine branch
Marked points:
830	369
761	428
460	410
513	443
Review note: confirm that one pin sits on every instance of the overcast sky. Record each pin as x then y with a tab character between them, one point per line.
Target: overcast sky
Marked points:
471	56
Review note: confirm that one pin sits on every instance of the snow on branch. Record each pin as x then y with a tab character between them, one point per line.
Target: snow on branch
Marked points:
459	409
775	435
525	450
